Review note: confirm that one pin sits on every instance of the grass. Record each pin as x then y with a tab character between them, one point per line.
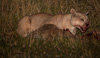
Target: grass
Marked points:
48	42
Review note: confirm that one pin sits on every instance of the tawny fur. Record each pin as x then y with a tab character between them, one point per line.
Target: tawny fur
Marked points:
71	21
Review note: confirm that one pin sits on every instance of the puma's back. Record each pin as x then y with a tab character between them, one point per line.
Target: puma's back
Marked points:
39	20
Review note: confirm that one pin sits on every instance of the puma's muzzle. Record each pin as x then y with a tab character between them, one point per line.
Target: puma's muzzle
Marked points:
83	28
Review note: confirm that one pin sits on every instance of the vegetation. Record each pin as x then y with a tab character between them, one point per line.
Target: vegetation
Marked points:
48	41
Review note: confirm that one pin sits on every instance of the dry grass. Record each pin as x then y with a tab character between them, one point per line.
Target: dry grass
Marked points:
47	42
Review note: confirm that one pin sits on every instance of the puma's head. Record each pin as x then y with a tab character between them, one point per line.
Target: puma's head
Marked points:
79	20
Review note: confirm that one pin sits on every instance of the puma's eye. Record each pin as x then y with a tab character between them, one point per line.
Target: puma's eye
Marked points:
82	19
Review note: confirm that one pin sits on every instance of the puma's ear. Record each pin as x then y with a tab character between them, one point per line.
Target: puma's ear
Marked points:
73	12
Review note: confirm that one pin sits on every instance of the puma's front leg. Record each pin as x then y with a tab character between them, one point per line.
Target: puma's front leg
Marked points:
73	30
